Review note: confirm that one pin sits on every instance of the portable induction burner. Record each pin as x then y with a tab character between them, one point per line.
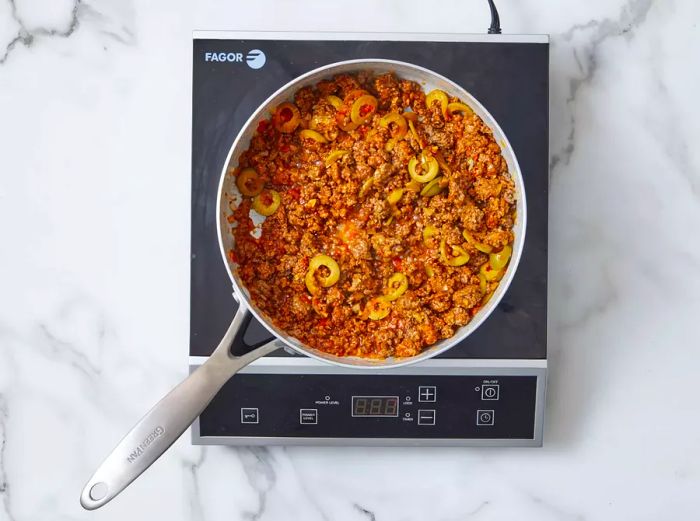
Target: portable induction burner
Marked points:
487	390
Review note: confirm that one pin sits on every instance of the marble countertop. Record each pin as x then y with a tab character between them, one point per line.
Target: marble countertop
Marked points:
94	213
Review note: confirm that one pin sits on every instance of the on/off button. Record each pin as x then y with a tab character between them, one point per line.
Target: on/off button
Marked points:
490	391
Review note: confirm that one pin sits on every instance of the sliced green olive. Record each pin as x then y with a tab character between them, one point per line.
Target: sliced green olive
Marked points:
485	248
266	202
428	168
334	155
249	183
395	196
397	285
439	96
401	127
366	186
313	135
286	117
434	187
428	232
489	273
362	109
459	107
398	131
483	283
458	257
327	281
500	259
335	101
378	308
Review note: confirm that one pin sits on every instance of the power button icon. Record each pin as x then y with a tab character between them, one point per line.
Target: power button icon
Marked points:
490	391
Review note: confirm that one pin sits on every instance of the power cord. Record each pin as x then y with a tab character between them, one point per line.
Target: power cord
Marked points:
495	20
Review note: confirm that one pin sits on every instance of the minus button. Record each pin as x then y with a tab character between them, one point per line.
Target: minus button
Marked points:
426	416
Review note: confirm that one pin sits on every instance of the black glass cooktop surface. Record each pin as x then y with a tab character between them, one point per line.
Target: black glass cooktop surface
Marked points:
232	77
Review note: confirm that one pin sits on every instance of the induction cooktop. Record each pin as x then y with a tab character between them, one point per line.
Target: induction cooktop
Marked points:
487	390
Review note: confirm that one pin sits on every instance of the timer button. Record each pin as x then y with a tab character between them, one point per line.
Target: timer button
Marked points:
484	417
426	416
308	416
490	391
427	393
250	415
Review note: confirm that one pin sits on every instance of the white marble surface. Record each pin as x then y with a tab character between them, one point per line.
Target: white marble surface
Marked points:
94	219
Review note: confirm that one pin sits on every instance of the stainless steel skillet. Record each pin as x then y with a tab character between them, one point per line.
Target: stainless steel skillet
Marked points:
170	417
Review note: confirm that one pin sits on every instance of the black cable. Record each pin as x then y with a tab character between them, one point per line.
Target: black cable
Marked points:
495	20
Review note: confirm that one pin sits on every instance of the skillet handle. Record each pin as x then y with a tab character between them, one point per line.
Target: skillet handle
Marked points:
170	417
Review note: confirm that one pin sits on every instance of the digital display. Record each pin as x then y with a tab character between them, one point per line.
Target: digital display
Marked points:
375	405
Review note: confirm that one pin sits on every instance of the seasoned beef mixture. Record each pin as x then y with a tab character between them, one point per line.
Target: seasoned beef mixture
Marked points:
389	216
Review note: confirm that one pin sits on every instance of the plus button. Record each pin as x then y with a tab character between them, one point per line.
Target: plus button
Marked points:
427	393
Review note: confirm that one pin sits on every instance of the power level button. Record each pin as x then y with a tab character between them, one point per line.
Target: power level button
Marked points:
308	416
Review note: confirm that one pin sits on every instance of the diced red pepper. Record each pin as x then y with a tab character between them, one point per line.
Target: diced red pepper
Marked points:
286	114
397	262
266	198
263	125
295	193
324	322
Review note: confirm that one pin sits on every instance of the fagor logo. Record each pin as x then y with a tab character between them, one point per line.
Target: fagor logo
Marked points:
255	58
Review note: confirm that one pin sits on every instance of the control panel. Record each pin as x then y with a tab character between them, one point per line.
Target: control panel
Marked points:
374	406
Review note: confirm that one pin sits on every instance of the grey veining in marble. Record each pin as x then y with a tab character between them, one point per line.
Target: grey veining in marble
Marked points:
583	41
25	36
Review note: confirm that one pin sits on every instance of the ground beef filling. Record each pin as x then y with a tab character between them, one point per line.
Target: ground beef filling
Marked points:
345	192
